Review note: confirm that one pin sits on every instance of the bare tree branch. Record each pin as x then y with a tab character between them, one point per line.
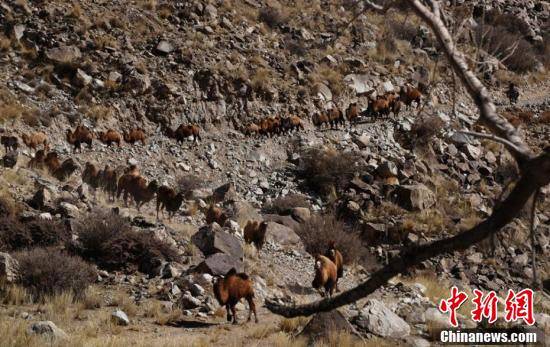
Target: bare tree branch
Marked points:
533	239
508	210
509	145
535	173
497	124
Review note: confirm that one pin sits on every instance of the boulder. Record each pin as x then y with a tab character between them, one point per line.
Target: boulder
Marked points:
325	323
387	169
225	193
219	264
82	78
281	235
47	328
362	141
213	239
301	214
8	268
287	221
120	318
376	318
414	197
435	318
43	199
188	302
64	54
137	83
242	212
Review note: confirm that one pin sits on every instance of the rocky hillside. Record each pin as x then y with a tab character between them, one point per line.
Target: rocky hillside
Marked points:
80	268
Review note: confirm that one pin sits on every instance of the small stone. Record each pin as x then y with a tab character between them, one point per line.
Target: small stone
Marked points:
47	328
120	318
164	47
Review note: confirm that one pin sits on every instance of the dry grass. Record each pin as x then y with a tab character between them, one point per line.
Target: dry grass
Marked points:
122	300
293	325
150	5
10	108
12	294
99	113
321	229
92	299
331	77
5	43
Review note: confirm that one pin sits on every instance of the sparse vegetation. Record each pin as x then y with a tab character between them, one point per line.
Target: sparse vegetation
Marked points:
424	130
271	16
15	235
324	170
320	229
188	183
49	271
283	204
108	240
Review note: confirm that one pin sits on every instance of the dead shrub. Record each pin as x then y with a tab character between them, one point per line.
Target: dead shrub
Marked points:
272	17
188	183
109	241
320	229
424	130
283	204
99	113
15	235
48	271
402	30
500	42
324	171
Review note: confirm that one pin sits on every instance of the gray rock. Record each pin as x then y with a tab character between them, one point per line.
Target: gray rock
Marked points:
24	87
44	198
323	91
172	270
64	54
472	151
435	318
48	329
301	214
243	211
164	47
388	87
325	323
387	169
213	239
187	302
414	197
9	268
211	11
83	78
376	318
415	341
68	210
362	140
196	289
120	318
219	264
137	83
281	235
225	193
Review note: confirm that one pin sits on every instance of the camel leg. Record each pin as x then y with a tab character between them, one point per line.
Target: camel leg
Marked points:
252	309
229	318
234	312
